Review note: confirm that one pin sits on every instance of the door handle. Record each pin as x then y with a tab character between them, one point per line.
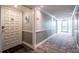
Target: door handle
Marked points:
3	28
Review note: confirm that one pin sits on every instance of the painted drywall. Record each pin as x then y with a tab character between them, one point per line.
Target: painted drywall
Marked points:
42	26
27	25
43	21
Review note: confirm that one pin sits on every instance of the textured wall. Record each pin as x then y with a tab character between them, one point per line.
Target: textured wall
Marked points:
43	26
27	37
44	22
42	35
27	23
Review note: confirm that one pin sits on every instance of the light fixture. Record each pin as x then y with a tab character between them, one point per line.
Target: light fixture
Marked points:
15	6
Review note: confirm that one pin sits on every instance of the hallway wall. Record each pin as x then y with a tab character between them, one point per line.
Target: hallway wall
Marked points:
27	25
42	26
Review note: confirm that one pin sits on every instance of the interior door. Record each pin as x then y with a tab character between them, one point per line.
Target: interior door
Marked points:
11	20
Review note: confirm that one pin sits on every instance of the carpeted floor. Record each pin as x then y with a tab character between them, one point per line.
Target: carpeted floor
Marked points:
59	43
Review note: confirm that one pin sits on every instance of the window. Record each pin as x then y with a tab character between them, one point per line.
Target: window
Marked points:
64	26
54	25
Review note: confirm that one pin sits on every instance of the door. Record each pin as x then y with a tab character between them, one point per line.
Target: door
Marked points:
11	22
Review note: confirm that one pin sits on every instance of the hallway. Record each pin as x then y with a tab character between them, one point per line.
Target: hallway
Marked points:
59	43
27	29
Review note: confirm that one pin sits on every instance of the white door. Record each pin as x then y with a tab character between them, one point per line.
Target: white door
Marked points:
11	22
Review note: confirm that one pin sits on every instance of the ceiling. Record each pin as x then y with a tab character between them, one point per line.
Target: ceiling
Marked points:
59	11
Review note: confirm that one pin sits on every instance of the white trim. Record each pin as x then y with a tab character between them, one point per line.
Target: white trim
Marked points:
26	30
29	45
74	11
50	14
42	30
33	29
43	41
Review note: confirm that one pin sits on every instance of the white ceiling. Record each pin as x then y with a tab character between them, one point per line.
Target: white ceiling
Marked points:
59	11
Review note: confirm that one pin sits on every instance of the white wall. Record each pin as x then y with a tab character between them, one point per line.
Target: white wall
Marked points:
42	21
27	25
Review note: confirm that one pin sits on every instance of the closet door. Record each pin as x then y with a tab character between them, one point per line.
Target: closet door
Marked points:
11	27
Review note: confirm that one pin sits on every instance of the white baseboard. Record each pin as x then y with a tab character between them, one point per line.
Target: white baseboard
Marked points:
37	45
29	45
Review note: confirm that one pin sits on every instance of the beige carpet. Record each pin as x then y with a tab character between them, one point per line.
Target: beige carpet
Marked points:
59	43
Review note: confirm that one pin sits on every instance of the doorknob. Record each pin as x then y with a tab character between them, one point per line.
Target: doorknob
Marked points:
3	28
